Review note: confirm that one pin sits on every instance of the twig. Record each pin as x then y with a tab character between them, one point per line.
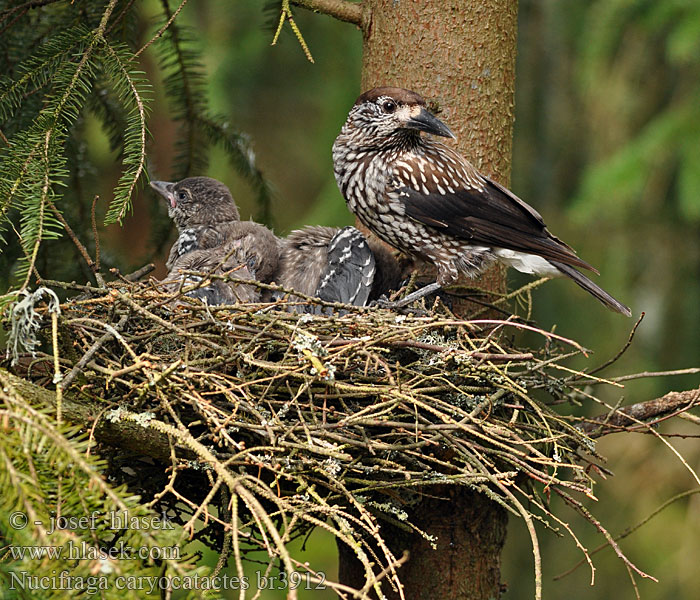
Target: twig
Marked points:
139	273
315	419
576	505
161	31
87	357
44	199
95	234
286	15
480	355
632	529
94	268
24	7
547	334
690	371
622	350
120	16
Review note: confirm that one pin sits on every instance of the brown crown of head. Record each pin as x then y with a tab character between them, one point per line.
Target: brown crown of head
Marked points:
198	201
382	115
401	95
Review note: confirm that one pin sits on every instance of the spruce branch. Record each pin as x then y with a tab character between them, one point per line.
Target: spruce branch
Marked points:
198	129
36	160
37	449
161	31
105	18
128	83
343	10
39	150
240	151
183	85
38	70
39	233
125	9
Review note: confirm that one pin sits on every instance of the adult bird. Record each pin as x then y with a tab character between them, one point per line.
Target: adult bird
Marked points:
425	199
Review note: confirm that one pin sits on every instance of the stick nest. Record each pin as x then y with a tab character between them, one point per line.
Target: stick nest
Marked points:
276	422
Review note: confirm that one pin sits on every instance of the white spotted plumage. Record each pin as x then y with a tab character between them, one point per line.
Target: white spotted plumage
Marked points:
423	198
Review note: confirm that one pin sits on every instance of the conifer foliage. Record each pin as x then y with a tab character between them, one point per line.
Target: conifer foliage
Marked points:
62	62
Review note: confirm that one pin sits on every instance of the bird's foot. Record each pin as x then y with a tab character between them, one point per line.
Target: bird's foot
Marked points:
403	303
398	306
382	302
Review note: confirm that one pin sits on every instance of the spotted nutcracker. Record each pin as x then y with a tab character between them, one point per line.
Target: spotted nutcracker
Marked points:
337	265
213	238
250	252
423	198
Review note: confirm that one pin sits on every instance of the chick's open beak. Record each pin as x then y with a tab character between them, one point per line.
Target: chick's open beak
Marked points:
165	189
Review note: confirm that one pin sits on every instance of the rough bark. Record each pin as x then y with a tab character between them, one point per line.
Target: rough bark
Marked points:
340	9
469	531
636	416
460	55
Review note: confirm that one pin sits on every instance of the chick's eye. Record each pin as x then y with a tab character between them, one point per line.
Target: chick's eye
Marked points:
181	196
389	106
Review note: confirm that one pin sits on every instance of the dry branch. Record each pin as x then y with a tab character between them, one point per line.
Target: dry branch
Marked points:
630	417
343	10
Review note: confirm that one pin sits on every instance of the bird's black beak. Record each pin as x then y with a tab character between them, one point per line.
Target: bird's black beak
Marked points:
165	189
426	121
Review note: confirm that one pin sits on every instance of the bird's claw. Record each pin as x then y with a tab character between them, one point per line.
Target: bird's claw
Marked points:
398	306
381	302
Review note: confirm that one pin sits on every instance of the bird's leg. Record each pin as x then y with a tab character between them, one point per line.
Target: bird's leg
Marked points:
412	297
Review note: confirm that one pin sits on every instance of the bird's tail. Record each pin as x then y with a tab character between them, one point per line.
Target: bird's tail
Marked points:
592	288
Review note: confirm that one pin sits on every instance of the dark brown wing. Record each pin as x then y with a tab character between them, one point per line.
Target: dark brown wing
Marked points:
493	217
219	261
212	236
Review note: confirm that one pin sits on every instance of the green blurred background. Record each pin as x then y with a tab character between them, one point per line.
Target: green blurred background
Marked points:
607	148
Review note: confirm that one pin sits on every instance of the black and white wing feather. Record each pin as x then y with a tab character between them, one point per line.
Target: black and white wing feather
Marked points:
349	271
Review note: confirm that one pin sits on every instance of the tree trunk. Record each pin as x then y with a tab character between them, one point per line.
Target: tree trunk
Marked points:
468	533
459	55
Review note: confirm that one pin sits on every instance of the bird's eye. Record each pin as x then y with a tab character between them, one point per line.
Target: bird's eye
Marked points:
389	106
181	196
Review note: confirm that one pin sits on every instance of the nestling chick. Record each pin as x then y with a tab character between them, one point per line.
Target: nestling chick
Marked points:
337	265
250	253
213	239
